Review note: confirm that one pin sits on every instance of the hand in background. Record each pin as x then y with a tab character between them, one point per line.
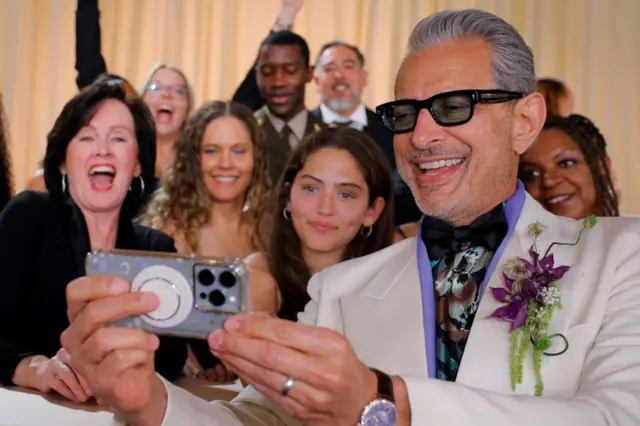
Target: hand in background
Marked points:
55	374
217	374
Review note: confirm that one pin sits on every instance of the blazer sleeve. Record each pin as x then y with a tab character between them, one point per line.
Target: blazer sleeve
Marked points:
19	230
250	407
609	390
171	356
89	61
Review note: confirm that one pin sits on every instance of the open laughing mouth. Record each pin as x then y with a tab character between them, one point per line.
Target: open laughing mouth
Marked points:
164	114
436	172
101	177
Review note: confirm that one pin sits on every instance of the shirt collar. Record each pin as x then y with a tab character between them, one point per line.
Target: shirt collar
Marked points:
298	124
359	116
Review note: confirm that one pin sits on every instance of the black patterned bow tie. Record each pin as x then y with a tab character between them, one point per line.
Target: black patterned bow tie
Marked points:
443	239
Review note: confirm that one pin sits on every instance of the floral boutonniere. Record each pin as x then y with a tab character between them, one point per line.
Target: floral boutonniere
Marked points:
531	293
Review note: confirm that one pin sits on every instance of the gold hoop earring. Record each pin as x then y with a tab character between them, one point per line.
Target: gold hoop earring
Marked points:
365	231
287	214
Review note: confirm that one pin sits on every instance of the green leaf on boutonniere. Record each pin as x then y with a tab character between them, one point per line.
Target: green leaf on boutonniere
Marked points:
531	294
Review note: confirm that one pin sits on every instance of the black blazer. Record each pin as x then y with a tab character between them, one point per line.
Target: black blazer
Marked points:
43	244
406	210
278	150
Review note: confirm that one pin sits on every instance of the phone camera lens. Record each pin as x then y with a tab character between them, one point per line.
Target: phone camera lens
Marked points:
205	277
216	298
227	279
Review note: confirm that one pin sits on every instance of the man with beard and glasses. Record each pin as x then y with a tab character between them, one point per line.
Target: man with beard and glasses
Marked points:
340	78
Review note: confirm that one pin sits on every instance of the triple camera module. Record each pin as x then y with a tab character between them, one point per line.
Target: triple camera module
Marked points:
214	287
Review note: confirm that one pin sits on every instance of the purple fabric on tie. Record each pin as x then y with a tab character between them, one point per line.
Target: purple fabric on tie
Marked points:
513	208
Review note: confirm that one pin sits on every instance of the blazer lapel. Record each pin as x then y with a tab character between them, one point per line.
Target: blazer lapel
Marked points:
486	360
313	124
387	314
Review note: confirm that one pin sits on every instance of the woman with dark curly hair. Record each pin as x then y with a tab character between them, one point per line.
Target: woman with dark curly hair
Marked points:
212	196
6	178
568	170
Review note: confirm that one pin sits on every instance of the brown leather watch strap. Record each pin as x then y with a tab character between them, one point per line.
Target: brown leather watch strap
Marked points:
385	386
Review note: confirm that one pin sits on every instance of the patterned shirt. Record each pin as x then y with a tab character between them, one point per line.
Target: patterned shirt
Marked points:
457	282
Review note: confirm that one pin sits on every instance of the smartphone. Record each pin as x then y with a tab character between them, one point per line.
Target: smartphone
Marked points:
197	294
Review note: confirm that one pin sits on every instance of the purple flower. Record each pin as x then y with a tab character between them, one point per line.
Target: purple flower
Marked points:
542	270
517	294
515	312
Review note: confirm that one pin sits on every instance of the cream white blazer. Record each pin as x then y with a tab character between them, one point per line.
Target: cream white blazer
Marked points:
375	301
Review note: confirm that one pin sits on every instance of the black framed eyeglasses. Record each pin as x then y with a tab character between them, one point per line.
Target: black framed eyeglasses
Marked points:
447	109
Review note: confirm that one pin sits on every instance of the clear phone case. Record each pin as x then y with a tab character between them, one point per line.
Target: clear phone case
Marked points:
197	294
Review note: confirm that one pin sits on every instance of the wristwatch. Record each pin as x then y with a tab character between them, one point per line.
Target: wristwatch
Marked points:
381	411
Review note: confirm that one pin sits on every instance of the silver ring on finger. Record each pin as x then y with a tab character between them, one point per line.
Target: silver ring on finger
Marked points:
288	385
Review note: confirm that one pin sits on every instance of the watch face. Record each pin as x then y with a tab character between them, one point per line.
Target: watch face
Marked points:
379	413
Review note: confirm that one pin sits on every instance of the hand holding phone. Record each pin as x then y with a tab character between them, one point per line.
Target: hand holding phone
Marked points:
197	294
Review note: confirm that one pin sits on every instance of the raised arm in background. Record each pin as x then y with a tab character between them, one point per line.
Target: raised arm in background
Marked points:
248	92
89	61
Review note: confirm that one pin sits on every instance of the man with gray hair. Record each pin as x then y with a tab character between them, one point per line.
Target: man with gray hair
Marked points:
498	313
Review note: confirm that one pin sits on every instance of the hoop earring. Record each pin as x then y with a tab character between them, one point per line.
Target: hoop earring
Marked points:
141	185
287	214
64	183
365	231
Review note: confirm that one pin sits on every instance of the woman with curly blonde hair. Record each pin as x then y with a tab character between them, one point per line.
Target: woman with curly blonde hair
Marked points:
214	192
212	196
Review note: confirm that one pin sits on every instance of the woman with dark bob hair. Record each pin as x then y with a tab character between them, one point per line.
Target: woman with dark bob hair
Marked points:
98	169
334	202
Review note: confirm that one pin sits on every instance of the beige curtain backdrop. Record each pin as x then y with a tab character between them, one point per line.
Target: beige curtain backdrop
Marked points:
594	45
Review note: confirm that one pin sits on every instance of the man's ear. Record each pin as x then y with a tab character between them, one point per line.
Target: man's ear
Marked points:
365	77
529	115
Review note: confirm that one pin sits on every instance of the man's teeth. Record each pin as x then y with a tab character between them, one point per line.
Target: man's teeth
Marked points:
225	179
102	169
438	164
558	199
341	87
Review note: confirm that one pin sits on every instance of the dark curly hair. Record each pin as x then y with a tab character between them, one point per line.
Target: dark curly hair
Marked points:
77	113
6	176
284	254
184	200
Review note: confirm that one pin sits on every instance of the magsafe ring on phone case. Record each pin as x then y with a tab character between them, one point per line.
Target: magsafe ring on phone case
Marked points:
173	290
